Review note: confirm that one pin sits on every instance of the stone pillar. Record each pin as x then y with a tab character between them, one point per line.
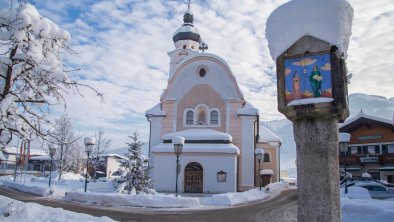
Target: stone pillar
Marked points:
317	169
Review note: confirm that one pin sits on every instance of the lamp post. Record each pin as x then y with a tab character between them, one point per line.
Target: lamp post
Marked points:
344	140
89	143
52	152
17	159
259	156
178	142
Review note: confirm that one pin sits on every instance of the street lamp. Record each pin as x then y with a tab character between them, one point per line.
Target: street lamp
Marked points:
89	143
178	142
17	159
52	152
344	140
259	156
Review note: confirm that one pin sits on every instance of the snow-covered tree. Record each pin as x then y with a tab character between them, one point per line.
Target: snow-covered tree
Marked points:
136	170
32	76
63	136
99	149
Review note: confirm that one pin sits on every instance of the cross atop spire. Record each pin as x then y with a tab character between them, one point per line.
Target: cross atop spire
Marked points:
188	5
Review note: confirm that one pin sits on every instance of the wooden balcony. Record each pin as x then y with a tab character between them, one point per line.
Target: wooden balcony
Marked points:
350	160
386	159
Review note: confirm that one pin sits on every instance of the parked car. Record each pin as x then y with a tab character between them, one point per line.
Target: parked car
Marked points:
375	189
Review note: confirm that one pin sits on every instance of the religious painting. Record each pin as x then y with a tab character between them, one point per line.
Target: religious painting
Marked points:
308	76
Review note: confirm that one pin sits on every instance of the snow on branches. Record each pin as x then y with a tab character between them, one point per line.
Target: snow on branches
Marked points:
32	76
135	168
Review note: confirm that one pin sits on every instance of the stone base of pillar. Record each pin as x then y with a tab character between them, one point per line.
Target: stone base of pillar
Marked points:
317	169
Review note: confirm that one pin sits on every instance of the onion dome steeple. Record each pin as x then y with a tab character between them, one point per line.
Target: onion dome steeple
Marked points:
187	31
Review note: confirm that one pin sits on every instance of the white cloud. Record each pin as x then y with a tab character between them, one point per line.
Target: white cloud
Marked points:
122	48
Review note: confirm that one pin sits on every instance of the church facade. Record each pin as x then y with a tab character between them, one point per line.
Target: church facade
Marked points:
203	104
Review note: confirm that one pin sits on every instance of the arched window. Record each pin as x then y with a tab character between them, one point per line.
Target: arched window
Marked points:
189	117
214	117
266	157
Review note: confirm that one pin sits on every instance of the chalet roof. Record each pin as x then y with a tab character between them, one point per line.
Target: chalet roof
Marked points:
363	119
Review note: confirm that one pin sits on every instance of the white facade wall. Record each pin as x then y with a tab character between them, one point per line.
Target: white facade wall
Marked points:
155	138
247	151
164	177
112	165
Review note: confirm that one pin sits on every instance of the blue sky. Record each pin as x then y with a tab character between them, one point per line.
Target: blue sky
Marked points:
122	50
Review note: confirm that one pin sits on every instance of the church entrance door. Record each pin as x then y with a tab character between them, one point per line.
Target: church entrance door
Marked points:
193	182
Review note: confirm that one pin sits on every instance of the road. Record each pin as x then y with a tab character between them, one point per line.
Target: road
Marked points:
281	208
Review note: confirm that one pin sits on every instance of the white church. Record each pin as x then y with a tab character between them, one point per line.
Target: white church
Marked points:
203	104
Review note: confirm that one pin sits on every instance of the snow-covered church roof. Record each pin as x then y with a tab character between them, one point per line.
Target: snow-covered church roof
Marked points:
198	148
199	134
248	109
330	21
267	136
155	111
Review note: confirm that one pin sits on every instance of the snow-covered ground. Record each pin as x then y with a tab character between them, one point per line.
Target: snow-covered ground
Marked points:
71	188
357	205
16	211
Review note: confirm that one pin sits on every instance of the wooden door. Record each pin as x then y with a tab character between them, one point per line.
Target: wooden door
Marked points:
193	180
266	180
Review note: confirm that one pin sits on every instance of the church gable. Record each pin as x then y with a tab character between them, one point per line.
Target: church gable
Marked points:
201	106
202	69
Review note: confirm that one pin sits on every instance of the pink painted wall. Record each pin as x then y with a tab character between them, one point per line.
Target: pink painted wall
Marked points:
201	94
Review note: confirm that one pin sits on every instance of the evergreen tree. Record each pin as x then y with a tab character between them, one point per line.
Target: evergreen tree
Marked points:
136	170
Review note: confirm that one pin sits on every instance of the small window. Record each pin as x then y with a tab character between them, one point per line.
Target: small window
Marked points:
214	117
266	157
202	72
189	117
390	148
184	46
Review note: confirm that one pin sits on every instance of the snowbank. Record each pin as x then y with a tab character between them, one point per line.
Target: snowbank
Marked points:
366	210
355	193
31	189
16	211
274	187
330	21
141	200
233	199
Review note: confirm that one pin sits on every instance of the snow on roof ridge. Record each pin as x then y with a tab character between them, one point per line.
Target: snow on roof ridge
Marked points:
360	115
198	148
248	109
266	135
113	154
199	134
155	111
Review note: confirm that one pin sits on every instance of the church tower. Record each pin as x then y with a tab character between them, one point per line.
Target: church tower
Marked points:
187	41
296	86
